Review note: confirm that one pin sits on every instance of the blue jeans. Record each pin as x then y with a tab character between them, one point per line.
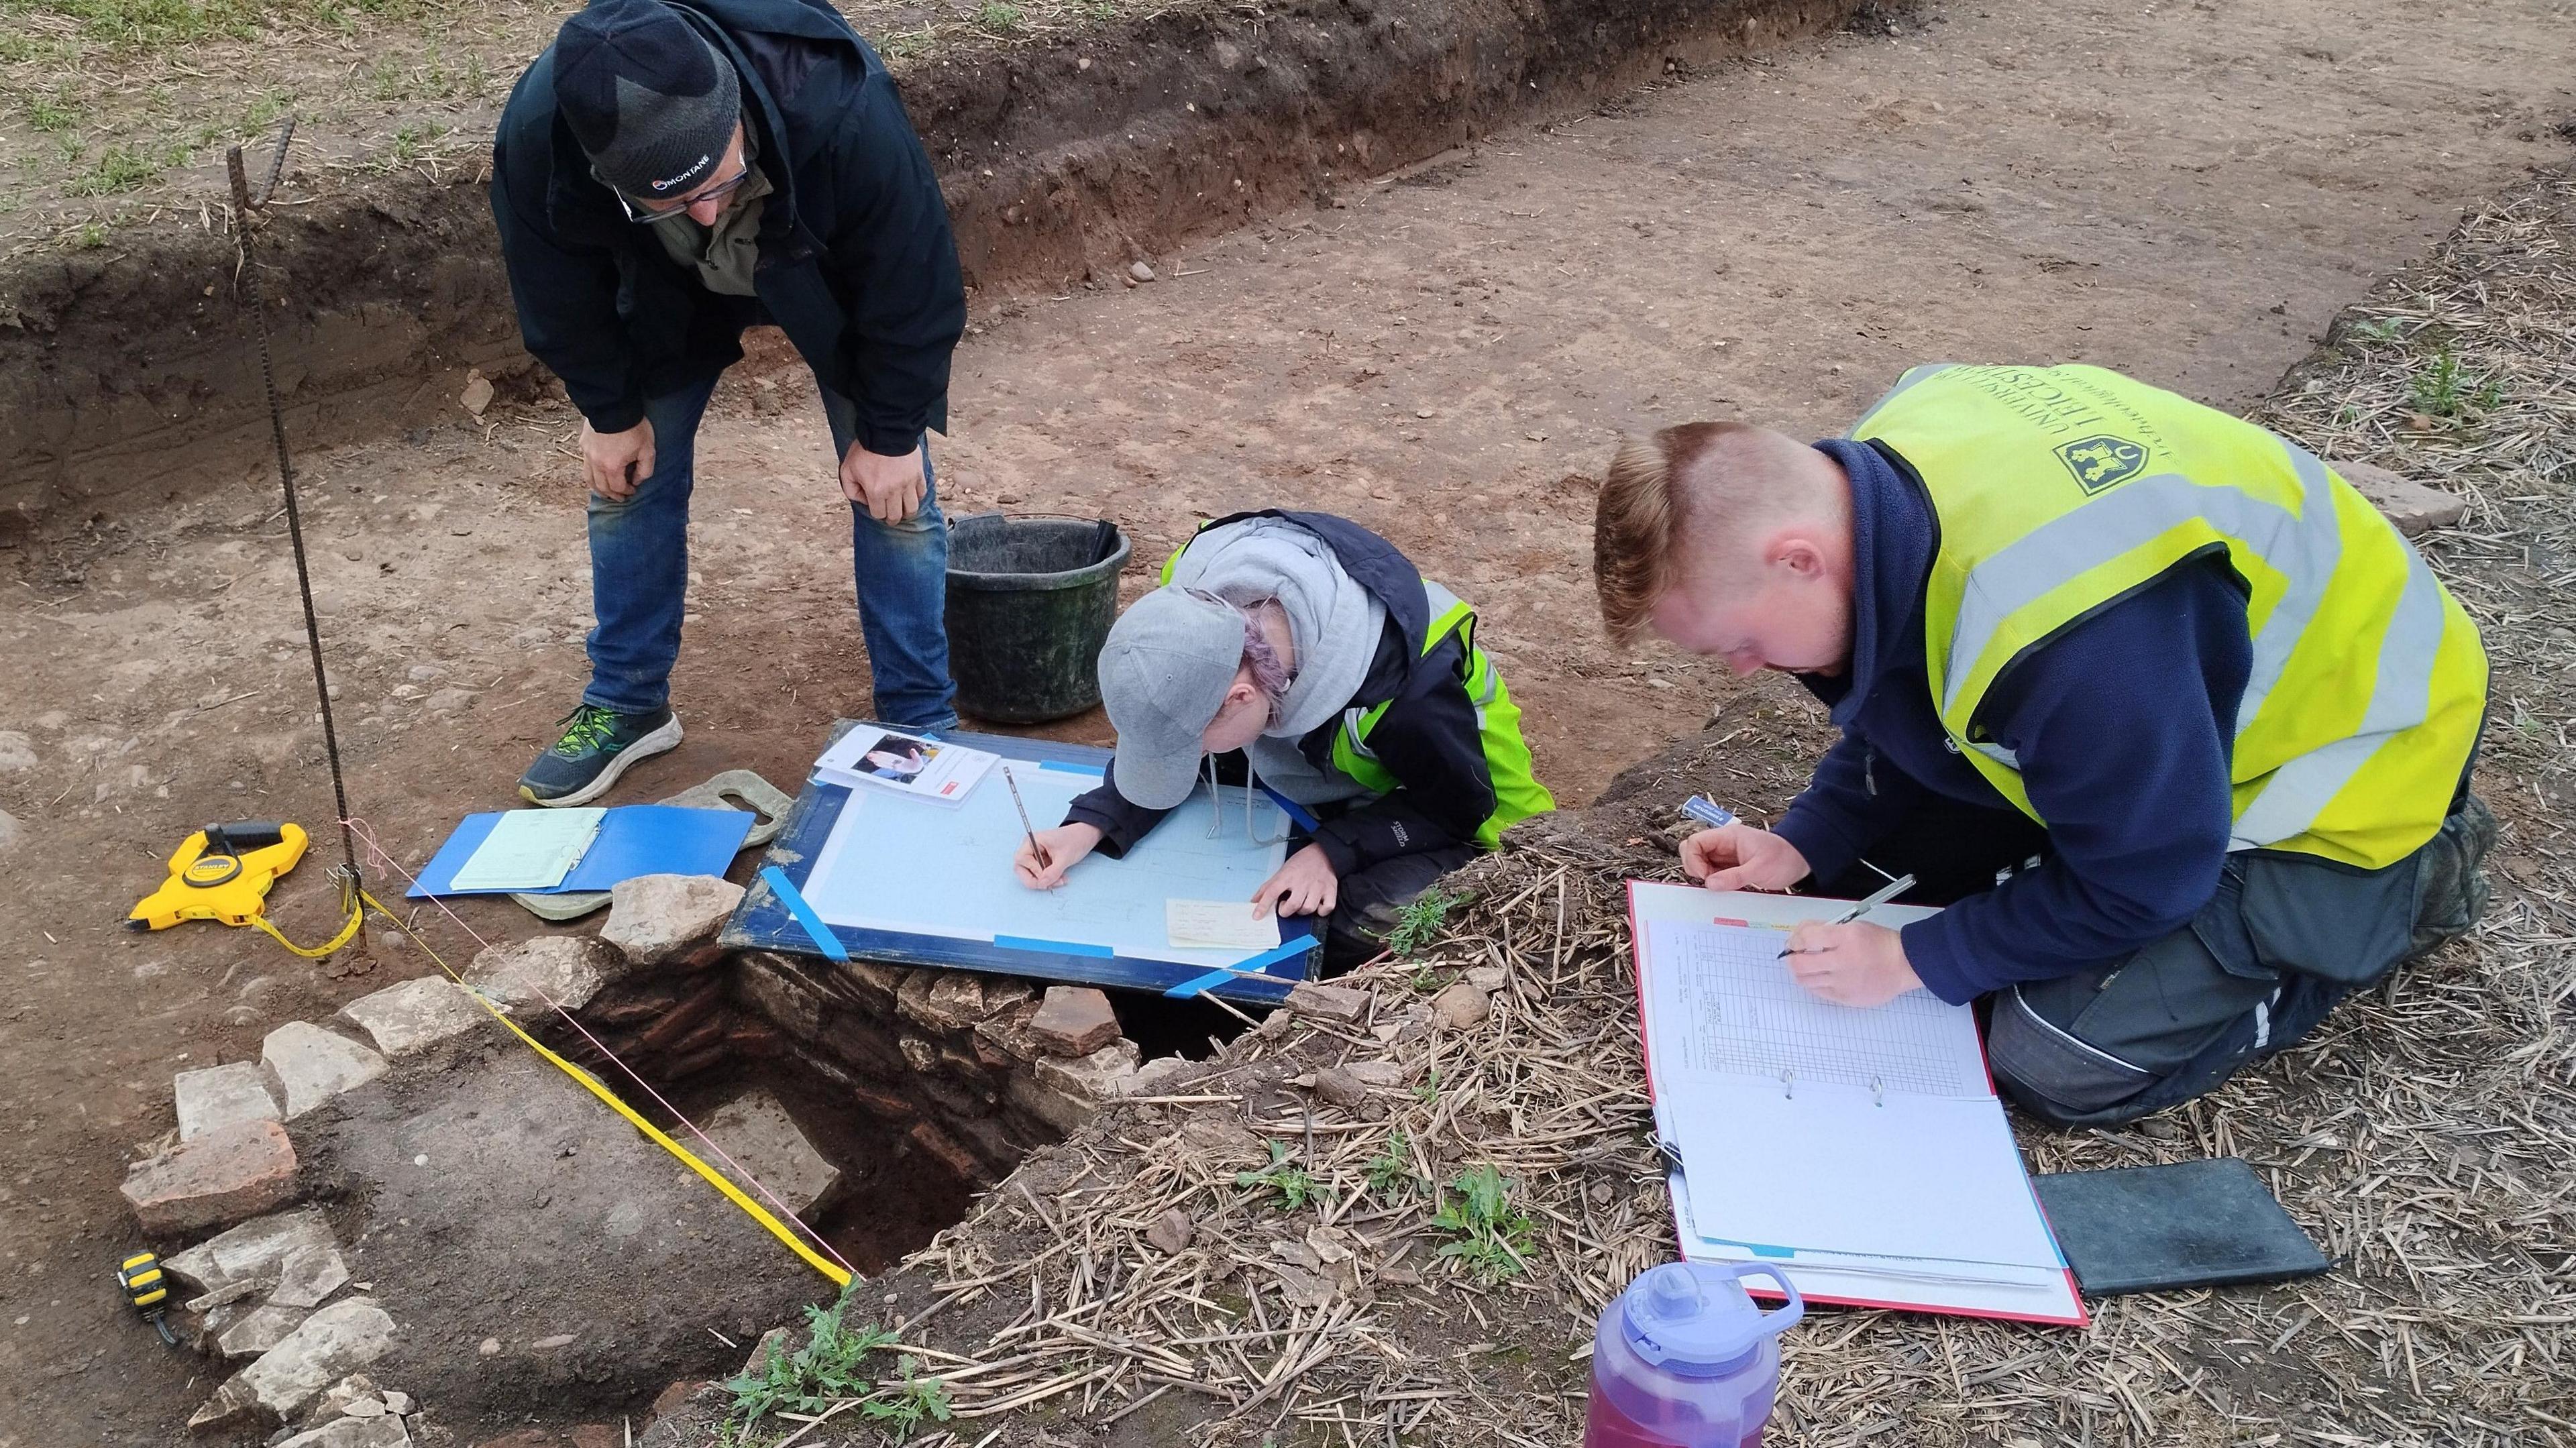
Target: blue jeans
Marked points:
639	578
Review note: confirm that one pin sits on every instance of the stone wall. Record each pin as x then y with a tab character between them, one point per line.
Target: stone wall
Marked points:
964	1067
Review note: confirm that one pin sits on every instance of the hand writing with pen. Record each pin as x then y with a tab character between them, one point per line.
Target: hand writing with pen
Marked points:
1848	962
1859	964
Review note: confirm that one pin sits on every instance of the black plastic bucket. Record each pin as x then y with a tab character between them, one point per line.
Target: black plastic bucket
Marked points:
1030	601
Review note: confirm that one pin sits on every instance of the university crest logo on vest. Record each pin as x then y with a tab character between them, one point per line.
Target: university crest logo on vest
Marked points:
2102	461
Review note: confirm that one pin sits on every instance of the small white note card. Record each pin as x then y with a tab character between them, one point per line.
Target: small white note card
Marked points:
1218	925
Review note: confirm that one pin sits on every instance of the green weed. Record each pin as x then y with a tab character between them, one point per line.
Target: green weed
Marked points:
830	1368
1419	922
410	140
91	236
999	18
2384	329
902	1404
1390	1172
388	81
2443	390
1294	1188
1493	1239
1429	1090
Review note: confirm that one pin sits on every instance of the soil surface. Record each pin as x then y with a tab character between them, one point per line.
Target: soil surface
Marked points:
493	1204
2188	194
126	366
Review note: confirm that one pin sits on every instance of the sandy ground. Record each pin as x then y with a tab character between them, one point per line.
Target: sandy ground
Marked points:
2187	193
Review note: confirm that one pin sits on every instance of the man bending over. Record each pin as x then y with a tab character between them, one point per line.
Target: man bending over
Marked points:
2178	721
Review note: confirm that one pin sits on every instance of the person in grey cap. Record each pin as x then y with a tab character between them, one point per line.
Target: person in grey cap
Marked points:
1312	655
665	175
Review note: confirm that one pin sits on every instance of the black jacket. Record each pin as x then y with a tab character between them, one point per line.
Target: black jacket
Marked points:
1428	737
856	261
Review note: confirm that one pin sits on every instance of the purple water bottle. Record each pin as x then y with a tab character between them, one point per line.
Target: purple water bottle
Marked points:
1684	1359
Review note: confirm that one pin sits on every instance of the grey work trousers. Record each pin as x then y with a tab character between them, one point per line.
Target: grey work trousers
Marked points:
2283	939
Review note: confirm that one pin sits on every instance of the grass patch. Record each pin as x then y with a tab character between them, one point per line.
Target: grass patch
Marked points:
146	25
999	18
122	168
1287	1183
56	112
1493	1238
831	1368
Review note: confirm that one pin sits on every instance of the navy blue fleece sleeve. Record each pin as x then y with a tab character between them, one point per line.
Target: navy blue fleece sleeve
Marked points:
1849	805
2123	726
898	266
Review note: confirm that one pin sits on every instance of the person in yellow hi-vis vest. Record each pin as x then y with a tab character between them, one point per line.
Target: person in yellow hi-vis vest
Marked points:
1303	652
2175	723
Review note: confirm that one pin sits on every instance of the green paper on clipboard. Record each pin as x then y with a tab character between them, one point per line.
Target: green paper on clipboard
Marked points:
530	849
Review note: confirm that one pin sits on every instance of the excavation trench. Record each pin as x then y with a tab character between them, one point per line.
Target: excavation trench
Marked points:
547	1262
919	1089
127	374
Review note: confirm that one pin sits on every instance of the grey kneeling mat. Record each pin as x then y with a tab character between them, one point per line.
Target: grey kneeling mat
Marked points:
2187	1224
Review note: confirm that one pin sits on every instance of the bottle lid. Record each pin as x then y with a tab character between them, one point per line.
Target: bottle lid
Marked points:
1691	1318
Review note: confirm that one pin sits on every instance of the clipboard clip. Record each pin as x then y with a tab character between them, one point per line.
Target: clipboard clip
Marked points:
1878	1091
1671	1155
1788	1084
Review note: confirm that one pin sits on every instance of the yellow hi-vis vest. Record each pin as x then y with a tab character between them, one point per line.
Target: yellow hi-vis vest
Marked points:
2058	491
1517	792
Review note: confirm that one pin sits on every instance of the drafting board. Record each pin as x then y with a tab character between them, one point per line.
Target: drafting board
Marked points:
1863	1152
918	883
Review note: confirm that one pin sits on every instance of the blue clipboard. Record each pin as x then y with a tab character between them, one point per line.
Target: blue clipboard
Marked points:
768	919
634	839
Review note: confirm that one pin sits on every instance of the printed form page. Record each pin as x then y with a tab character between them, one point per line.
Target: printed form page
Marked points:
1810	1126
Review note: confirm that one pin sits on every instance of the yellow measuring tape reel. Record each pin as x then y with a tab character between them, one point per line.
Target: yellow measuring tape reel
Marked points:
223	872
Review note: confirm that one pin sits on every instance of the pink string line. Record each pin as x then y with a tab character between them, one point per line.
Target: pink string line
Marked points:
359	828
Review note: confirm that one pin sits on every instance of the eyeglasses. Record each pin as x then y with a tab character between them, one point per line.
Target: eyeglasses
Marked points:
645	213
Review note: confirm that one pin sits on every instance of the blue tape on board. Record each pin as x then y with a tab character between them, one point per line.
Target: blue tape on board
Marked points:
1191	987
1271	957
1053	947
824	940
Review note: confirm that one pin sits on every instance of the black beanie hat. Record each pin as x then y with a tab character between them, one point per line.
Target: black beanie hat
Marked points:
652	103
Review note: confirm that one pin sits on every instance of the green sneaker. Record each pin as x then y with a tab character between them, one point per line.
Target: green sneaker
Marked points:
596	747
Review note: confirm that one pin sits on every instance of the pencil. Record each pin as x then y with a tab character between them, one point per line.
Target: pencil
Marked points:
1022	806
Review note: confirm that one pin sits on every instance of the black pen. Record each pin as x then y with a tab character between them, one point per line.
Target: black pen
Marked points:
1034	847
1875	898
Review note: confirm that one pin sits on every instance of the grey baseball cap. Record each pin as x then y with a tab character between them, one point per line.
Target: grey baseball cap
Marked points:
1163	675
